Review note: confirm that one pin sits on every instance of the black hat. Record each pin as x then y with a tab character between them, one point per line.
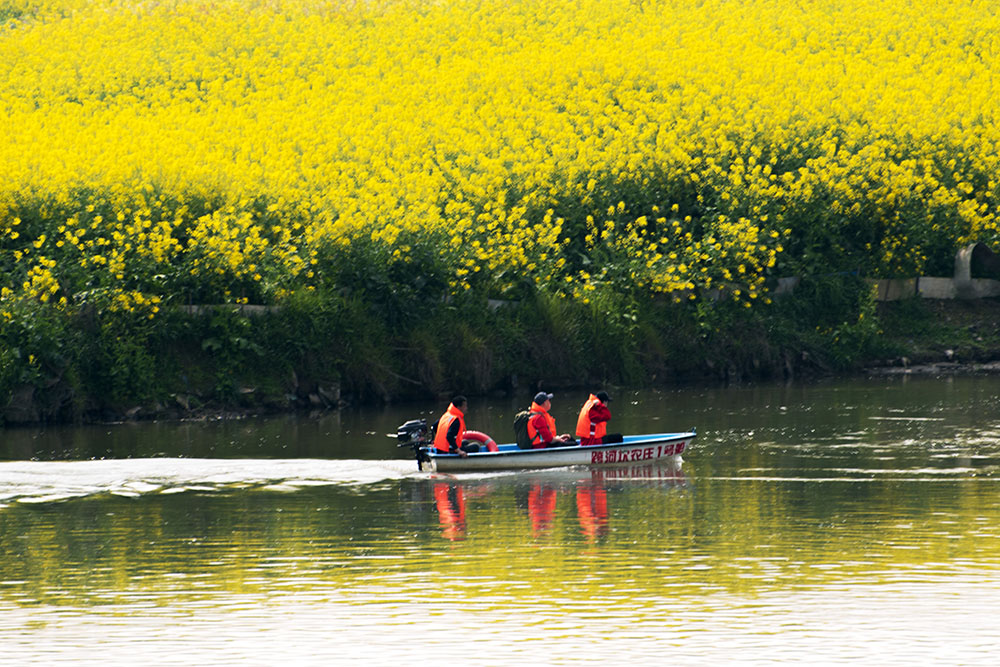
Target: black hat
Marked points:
541	397
603	395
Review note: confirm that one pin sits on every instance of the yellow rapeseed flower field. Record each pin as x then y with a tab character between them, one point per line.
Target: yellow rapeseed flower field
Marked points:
240	149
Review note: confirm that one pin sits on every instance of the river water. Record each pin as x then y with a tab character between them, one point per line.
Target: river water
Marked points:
851	521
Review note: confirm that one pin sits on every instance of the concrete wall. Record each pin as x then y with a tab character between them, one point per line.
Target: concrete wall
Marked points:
973	260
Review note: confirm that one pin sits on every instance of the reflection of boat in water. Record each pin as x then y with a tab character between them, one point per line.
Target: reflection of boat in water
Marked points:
668	472
633	449
538	492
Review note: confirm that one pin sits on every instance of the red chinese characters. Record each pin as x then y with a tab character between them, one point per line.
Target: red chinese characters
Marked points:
638	454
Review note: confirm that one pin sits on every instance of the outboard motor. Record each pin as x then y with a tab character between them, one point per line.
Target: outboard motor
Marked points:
412	432
415	434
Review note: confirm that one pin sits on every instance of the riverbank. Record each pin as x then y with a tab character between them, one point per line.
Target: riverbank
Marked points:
322	353
381	230
940	337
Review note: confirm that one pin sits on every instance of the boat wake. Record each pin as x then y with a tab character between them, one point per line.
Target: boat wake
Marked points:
55	481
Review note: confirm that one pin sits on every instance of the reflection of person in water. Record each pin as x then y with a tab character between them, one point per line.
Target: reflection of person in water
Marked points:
541	508
450	502
592	510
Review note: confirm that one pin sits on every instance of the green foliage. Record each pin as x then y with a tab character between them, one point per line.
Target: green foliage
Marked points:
36	344
610	330
397	286
110	359
11	10
125	368
834	319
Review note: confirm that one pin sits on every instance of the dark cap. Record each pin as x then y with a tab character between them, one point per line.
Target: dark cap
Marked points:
603	395
541	397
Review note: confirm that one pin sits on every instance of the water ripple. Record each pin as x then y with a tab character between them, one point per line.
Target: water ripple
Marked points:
55	481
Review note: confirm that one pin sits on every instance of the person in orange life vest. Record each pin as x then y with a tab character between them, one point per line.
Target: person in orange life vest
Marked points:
451	428
592	424
542	425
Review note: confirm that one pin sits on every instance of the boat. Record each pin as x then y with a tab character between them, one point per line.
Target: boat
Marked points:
632	449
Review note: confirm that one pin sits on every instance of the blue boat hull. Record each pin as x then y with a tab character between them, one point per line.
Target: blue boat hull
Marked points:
632	449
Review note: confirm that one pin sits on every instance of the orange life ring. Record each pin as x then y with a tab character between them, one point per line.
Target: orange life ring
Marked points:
478	436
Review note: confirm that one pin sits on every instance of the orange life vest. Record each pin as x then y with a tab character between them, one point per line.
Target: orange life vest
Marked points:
586	428
536	438
441	436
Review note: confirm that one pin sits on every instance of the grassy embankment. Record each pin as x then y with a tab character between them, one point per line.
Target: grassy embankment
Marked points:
375	172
